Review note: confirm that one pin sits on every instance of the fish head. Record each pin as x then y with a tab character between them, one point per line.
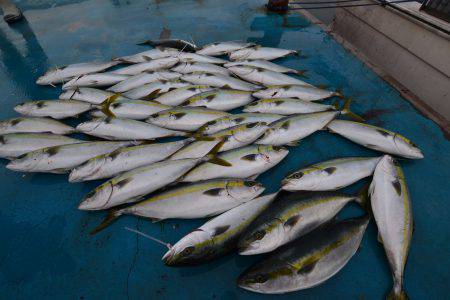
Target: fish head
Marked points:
251	131
91	125
241	70
26	108
255	106
26	162
407	148
274	154
241	54
387	166
165	117
216	125
263	238
87	169
51	76
244	190
192	249
98	198
305	179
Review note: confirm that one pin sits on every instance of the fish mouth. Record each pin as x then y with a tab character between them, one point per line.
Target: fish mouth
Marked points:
74	176
168	258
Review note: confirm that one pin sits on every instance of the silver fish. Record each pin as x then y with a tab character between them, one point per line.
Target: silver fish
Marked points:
393	214
16	144
119	129
330	175
63	74
34	125
286	106
156	53
94	80
218	80
191	67
305	93
184	118
376	138
154	89
90	95
292	215
179	95
234	137
308	261
289	130
216	237
194	57
152	65
220	99
125	159
233	120
143	78
172	43
61	159
131	109
222	48
57	109
259	52
264	64
131	186
265	77
246	162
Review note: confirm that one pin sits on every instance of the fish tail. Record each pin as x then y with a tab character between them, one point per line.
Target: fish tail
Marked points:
345	110
301	73
113	214
107	103
397	292
211	156
339	93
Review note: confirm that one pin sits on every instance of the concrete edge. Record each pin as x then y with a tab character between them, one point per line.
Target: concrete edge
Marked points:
422	107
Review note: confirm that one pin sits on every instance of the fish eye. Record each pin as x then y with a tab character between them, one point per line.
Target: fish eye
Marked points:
298	175
259	234
261	278
187	251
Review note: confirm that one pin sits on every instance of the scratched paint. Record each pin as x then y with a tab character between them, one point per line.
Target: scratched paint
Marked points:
46	251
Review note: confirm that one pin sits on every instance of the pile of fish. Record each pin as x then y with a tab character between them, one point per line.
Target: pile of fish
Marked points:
176	89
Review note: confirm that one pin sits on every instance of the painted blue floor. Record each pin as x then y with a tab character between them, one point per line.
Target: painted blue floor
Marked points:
46	252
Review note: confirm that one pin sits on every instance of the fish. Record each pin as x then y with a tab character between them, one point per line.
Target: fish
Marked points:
184	118
129	109
56	109
156	53
192	67
286	106
222	48
125	159
63	74
219	99
218	80
376	138
119	129
330	175
152	65
265	77
34	125
152	90
191	201
216	237
143	78
291	216
308	261
194	57
392	210
94	80
264	64
62	159
259	52
132	185
13	145
90	95
233	137
236	119
290	130
246	162
172	43
305	93
179	95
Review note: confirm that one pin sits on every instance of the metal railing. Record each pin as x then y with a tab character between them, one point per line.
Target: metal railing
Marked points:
437	8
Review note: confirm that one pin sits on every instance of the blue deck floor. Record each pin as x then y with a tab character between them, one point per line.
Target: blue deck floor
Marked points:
46	252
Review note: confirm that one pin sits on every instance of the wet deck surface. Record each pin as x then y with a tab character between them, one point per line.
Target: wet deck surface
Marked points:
46	251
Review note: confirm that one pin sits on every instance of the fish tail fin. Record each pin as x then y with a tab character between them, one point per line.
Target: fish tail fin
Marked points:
301	73
362	197
345	110
397	292
113	214
339	93
107	103
211	156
